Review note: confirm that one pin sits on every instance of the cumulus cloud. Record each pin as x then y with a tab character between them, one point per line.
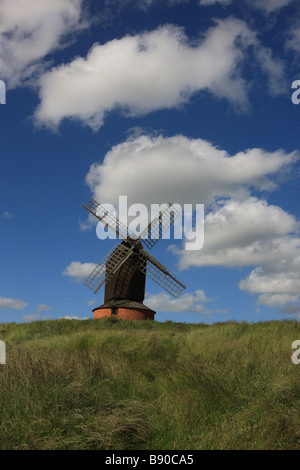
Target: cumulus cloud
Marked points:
153	70
149	3
141	4
274	289
70	317
273	70
275	283
13	304
290	310
78	271
294	40
240	229
43	308
29	30
197	171
212	2
253	233
243	233
188	302
268	6
35	317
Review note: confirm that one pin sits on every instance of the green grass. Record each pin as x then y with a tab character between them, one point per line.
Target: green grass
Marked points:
112	384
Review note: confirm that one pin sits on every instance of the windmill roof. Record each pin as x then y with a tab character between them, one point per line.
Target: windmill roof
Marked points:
123	303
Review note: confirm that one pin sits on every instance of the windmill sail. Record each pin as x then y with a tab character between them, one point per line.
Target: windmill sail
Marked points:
108	266
159	273
124	267
159	226
107	218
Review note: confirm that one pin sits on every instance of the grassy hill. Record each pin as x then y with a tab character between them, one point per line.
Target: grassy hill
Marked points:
112	384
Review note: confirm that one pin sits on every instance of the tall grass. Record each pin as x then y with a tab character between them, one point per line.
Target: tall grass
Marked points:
111	384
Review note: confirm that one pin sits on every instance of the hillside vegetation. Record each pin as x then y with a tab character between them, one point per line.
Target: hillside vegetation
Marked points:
113	384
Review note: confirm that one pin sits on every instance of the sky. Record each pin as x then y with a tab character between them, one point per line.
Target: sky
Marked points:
183	101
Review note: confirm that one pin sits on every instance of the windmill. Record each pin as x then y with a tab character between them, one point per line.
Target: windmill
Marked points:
125	267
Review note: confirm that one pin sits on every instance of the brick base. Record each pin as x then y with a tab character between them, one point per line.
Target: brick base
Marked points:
125	313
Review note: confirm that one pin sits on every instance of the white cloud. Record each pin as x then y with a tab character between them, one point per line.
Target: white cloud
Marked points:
35	317
183	170
240	229
118	5
268	6
265	5
6	215
78	271
253	233
110	9
290	310
212	2
70	317
43	308
30	317
149	3
188	302
276	300
13	304
243	233
29	30
88	223
273	70
294	41
260	282
274	289
153	70
146	4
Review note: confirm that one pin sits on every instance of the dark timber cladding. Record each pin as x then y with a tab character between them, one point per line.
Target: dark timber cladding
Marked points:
127	282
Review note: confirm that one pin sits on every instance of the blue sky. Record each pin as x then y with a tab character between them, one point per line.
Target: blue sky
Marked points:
187	101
